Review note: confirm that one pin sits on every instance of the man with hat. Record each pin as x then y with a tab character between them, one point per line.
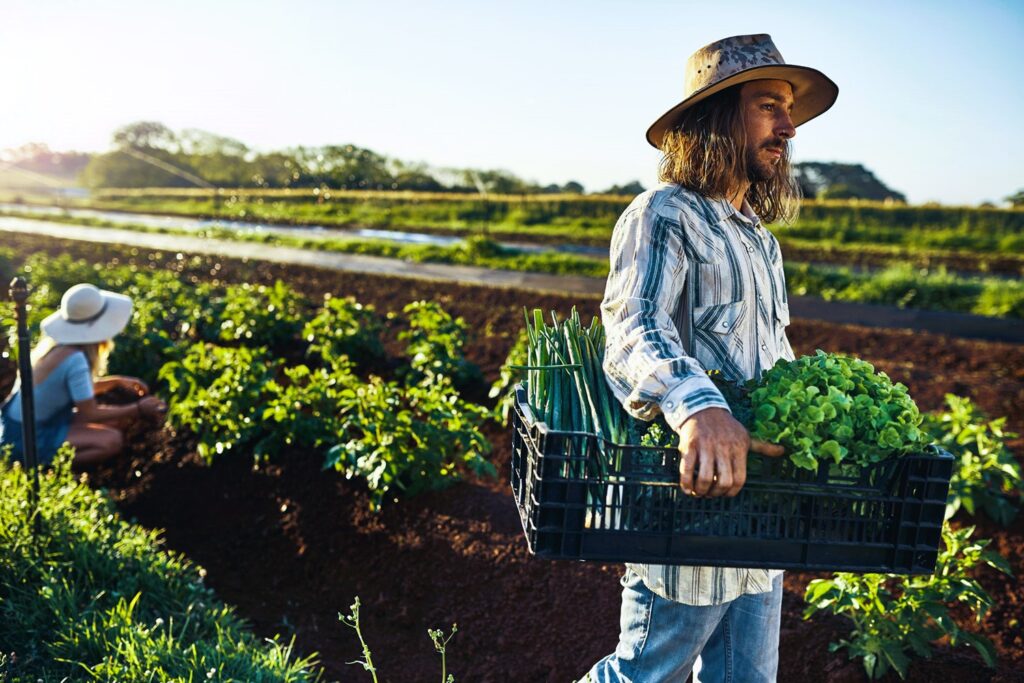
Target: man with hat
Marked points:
696	284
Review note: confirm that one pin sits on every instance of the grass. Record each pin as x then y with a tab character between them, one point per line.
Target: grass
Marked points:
94	598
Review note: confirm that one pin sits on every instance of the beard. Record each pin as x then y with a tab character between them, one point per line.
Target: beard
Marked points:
761	167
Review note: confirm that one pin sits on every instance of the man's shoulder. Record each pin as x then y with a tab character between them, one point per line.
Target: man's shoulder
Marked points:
677	203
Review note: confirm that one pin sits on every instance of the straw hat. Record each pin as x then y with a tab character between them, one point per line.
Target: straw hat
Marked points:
739	59
88	315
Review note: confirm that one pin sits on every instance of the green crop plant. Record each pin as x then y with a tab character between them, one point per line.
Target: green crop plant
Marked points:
258	315
344	327
501	389
895	616
303	409
403	440
435	343
987	477
216	392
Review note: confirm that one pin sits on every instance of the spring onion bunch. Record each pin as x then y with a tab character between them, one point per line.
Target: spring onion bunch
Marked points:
566	383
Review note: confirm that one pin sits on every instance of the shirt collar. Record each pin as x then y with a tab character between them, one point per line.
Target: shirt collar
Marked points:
724	210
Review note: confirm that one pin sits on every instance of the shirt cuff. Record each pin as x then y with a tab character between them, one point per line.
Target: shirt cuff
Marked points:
688	398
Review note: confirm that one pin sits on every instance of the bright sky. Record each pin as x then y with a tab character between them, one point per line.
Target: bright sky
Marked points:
930	93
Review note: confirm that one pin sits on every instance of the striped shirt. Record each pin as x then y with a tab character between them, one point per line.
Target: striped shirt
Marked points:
694	285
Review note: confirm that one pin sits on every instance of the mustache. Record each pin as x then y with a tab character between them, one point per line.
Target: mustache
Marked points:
778	143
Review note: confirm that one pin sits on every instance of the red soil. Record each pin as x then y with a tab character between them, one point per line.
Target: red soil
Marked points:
291	545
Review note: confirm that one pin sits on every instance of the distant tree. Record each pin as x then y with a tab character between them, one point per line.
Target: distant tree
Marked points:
276	169
1017	198
146	135
496	182
987	205
553	188
827	180
633	188
343	166
412	176
217	159
572	187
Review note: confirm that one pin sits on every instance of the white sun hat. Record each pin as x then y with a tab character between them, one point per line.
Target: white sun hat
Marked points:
88	315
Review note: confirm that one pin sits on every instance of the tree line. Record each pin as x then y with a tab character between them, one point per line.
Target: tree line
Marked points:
149	154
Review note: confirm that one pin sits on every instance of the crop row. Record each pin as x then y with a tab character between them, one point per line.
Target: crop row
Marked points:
566	218
901	285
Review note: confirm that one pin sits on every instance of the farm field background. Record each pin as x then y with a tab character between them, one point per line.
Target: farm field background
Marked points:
937	258
290	545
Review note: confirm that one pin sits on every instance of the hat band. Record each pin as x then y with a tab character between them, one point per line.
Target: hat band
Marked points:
92	318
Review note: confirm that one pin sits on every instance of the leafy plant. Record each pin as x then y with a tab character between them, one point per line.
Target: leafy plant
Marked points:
834	406
303	408
166	313
216	392
986	477
895	616
405	440
435	343
262	316
344	327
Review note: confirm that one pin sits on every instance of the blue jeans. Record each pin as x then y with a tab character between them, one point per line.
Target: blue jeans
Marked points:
662	640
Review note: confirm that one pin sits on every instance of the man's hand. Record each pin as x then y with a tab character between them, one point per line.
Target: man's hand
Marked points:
718	443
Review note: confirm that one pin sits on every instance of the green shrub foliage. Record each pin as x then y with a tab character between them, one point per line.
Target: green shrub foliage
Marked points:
896	616
94	598
987	477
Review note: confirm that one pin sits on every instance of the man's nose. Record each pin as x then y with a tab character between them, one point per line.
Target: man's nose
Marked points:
784	127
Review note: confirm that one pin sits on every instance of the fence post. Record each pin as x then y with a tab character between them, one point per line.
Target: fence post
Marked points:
19	292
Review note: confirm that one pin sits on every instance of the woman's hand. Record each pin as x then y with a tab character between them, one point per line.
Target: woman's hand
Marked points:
133	384
151	406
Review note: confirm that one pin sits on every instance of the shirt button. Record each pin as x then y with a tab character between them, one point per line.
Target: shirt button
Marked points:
764	346
670	405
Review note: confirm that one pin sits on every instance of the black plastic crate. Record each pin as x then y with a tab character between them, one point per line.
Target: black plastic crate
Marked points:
581	497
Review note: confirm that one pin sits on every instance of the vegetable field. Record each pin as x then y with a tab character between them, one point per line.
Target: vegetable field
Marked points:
291	544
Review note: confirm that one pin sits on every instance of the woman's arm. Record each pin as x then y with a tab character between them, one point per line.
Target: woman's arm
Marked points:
105	384
91	411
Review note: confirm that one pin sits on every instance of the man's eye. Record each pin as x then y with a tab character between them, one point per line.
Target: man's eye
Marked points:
768	107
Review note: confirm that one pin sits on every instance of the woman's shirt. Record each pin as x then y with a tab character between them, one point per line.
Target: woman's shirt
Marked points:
67	384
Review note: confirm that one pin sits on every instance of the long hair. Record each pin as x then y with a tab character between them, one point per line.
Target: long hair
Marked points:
706	152
96	354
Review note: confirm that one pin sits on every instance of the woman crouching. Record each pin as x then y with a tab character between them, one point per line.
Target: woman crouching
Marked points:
67	368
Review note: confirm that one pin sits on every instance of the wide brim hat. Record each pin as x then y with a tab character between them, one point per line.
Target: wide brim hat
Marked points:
739	59
88	315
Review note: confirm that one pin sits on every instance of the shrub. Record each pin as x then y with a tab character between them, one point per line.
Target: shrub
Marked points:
216	392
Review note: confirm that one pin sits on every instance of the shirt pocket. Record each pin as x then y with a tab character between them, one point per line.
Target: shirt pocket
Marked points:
719	331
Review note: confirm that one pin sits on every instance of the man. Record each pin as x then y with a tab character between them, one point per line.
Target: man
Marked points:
696	283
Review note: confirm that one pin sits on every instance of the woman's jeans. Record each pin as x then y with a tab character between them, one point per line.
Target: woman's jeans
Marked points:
662	640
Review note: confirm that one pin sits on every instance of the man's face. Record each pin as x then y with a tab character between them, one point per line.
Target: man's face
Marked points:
766	106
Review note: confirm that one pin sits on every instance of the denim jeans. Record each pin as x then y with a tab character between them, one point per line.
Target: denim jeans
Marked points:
661	640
